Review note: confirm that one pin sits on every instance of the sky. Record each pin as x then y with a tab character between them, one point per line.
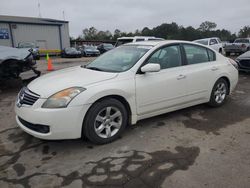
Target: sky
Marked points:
129	15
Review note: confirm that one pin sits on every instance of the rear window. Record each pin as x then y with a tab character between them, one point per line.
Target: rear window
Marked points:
204	42
241	41
123	41
138	40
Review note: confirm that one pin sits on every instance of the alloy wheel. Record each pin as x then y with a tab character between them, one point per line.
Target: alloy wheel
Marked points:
108	122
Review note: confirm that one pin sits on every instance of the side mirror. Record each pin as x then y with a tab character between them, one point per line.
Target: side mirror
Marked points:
151	67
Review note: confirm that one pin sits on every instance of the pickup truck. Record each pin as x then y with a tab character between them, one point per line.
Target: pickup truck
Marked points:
14	61
239	46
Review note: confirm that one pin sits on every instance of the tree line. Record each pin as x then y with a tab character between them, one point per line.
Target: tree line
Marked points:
168	31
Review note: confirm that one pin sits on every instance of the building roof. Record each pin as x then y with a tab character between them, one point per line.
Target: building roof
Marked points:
30	20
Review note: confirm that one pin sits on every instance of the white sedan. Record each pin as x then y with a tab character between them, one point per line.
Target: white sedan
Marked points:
129	83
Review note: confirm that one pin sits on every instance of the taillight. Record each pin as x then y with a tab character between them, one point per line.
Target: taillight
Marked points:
243	46
233	63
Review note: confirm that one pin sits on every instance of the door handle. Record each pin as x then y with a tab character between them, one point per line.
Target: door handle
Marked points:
180	77
214	68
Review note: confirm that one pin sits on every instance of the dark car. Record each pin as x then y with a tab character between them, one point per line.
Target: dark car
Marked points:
71	52
89	51
243	62
105	47
14	61
30	46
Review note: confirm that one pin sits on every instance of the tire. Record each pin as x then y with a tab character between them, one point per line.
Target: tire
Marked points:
98	127
219	93
220	51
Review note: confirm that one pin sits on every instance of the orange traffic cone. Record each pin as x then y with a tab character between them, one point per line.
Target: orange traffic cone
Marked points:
50	66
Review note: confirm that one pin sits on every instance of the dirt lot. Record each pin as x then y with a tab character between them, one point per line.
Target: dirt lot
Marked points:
194	147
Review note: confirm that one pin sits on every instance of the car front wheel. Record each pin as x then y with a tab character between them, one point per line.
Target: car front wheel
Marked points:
219	93
105	121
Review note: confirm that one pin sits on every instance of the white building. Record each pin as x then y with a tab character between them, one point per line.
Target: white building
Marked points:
45	33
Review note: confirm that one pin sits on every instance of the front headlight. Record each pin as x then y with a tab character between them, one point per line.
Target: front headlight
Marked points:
62	98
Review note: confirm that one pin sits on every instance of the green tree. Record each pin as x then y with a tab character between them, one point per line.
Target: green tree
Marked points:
244	32
207	26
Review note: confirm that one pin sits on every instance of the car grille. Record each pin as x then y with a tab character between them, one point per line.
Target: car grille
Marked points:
27	97
245	63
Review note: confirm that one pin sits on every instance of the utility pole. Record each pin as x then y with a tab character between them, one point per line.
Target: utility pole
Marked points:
39	10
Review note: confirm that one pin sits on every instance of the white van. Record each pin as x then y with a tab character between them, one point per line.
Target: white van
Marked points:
124	40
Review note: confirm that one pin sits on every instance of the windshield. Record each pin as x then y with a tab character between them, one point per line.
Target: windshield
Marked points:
204	42
90	48
120	59
70	50
241	41
108	45
26	45
123	41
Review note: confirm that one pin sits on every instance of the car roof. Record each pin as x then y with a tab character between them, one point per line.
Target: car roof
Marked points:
135	37
207	38
156	43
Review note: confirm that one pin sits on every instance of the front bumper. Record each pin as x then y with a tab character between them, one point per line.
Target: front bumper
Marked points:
63	123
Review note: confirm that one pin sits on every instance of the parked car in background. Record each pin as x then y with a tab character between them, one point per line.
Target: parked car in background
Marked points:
125	40
14	61
89	51
214	43
127	84
243	62
32	46
104	47
71	52
224	43
239	46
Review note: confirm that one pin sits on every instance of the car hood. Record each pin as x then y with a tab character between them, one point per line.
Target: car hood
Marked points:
52	83
13	53
32	49
246	55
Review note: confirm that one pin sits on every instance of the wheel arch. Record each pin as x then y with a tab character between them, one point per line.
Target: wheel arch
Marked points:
228	83
117	97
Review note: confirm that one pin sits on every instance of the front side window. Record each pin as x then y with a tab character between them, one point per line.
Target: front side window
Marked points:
196	54
167	57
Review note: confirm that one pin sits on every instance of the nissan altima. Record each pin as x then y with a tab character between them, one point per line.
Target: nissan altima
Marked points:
127	84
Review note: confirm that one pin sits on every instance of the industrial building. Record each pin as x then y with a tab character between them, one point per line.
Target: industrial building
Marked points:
49	34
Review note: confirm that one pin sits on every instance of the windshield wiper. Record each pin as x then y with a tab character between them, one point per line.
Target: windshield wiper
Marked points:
94	68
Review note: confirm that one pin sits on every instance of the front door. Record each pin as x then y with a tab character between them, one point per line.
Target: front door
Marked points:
166	88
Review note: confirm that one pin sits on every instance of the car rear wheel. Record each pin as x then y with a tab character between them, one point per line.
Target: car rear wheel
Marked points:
219	93
105	121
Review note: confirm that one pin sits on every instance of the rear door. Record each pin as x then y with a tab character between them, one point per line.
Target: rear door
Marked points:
202	69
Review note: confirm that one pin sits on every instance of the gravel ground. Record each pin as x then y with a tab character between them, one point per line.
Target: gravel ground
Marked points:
195	147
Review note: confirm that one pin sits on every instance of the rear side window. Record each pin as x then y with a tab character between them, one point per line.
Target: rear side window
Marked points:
211	55
196	54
